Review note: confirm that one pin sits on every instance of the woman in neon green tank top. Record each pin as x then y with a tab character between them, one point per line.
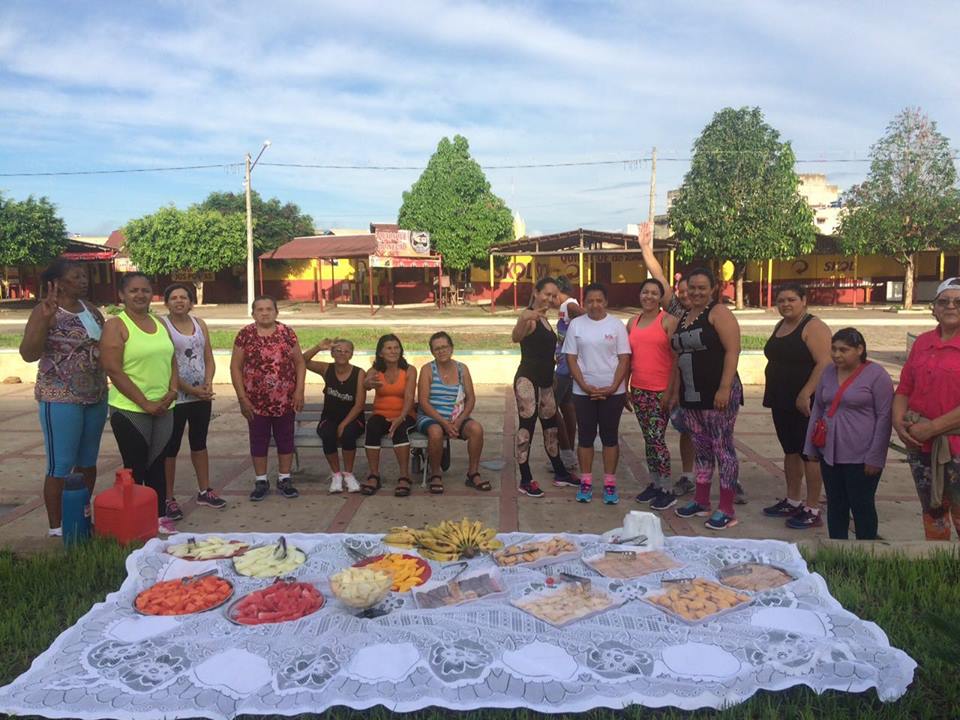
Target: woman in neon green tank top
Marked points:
137	354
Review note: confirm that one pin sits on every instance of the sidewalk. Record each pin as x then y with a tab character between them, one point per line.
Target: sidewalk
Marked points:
23	519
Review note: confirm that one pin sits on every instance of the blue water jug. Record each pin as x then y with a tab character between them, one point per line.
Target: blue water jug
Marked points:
76	510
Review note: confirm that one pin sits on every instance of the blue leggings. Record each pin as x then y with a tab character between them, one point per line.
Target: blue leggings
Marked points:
71	435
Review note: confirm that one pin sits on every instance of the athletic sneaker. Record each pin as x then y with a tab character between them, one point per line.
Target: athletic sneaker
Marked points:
336	483
286	488
351	482
740	498
165	526
720	521
648	494
260	490
663	501
531	489
783	508
692	509
684	486
55	532
585	493
211	499
610	496
173	512
566	481
805	519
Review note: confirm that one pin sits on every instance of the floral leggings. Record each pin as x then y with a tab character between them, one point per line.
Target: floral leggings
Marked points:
712	435
647	404
936	523
536	402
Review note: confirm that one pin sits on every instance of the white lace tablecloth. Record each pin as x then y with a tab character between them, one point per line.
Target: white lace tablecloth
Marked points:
115	663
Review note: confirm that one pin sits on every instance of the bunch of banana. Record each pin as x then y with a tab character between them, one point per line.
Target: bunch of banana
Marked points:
403	537
452	541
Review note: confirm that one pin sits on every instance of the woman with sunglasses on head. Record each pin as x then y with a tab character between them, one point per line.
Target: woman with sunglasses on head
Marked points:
194	408
394	381
63	333
849	433
926	415
446	399
706	384
341	420
797	353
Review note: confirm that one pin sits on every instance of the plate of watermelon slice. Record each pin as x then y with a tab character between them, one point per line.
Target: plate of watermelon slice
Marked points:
285	600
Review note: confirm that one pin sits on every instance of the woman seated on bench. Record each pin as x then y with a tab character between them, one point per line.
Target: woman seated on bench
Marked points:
446	401
341	421
395	383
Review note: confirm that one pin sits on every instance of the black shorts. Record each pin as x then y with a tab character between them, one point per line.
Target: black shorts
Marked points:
791	427
198	414
378	426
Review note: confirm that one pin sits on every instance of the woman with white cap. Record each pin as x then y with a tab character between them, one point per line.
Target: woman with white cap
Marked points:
926	414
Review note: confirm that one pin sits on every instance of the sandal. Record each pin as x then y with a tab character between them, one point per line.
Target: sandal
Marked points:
436	484
370	488
403	487
482	485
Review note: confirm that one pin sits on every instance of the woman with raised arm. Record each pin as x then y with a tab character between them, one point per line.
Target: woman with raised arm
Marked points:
63	333
342	421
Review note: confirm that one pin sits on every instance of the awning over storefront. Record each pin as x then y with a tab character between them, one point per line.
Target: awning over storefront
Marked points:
325	246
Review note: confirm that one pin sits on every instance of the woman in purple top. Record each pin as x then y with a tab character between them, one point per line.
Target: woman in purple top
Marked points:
857	435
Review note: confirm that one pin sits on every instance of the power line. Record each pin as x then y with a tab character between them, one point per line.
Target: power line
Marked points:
116	172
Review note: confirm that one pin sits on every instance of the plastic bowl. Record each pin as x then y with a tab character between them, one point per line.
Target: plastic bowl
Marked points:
369	587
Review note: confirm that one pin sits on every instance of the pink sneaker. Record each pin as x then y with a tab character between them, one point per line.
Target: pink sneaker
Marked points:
166	527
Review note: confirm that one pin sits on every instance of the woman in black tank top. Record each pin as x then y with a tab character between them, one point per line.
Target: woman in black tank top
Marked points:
341	421
533	386
797	353
708	389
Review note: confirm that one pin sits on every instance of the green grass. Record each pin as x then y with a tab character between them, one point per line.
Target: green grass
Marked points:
365	338
915	601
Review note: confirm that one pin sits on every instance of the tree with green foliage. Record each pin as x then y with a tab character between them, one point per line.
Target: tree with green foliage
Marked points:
909	202
452	200
273	223
31	232
195	240
739	200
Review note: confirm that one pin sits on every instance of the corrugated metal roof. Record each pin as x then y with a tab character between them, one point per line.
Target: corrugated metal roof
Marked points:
325	246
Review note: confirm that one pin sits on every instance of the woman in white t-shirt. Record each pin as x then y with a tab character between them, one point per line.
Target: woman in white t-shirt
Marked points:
598	353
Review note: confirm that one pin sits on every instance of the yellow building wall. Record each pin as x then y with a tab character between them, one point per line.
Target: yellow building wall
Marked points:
518	268
840	267
345	269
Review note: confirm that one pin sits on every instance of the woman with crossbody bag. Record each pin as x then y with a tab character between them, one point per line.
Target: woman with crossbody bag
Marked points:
849	432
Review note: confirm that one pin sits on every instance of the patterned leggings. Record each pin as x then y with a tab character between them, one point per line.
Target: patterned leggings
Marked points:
653	424
534	402
712	434
936	523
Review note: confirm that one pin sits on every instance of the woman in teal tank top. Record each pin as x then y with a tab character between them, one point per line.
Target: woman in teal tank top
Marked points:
137	354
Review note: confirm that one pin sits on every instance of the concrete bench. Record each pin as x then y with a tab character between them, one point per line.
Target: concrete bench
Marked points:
305	436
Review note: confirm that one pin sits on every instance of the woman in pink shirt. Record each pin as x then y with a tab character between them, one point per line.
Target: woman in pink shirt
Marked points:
926	414
650	369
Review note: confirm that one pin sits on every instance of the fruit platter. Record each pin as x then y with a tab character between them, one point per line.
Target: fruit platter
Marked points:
537	553
283	601
272	560
568	603
447	541
184	596
479	585
696	599
627	564
754	577
211	548
361	588
409	571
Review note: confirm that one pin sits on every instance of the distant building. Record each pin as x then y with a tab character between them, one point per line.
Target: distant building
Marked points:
823	199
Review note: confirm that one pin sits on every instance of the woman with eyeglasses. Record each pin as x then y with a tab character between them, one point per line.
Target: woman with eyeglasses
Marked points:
341	420
446	399
849	433
926	414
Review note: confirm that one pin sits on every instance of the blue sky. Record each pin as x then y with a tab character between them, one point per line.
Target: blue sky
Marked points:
90	86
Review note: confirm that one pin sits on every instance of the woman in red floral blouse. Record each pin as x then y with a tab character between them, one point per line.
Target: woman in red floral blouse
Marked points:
267	370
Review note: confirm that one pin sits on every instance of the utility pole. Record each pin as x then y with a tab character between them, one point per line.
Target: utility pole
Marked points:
250	281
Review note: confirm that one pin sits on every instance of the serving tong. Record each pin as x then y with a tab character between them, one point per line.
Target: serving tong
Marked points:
638	540
583	583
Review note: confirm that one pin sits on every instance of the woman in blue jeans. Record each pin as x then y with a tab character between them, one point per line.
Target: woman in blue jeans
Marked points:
63	333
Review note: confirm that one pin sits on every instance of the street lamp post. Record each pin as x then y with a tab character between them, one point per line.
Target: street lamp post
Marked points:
251	290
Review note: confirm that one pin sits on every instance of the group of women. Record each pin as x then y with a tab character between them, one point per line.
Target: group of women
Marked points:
676	361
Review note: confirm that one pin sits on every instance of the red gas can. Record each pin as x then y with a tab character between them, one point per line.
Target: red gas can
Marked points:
126	511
